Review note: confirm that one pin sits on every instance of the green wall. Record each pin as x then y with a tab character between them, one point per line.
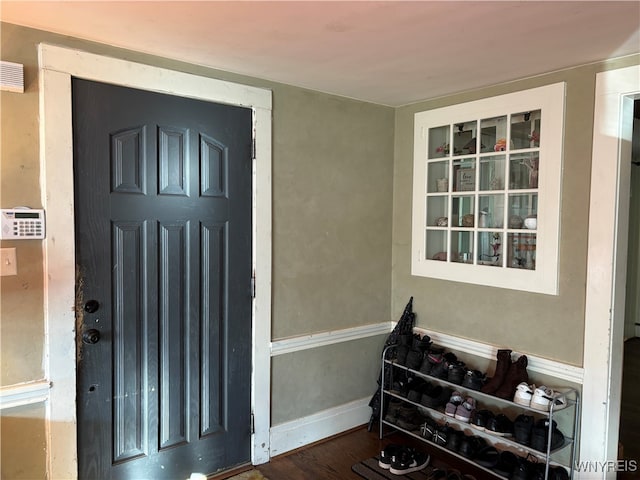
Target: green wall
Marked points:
544	325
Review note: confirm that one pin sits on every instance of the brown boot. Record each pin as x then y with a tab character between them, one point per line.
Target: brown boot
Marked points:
517	374
504	362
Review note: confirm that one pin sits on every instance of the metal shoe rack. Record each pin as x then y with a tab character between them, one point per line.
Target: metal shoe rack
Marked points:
501	443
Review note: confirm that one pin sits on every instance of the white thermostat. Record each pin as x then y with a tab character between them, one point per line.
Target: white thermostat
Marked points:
22	224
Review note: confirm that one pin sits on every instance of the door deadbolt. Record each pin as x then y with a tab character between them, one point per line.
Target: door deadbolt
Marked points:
91	336
91	306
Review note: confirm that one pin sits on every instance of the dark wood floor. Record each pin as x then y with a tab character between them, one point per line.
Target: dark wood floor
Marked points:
332	459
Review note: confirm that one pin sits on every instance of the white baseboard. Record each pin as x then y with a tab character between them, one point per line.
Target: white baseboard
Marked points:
303	431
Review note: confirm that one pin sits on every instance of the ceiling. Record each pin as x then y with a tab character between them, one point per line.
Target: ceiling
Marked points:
391	53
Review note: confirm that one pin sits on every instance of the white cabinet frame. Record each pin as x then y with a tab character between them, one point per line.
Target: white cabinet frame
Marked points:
550	101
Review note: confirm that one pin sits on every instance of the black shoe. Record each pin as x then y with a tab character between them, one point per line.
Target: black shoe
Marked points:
500	425
454	440
408	460
387	454
421	343
470	446
428	429
441	370
409	419
540	432
524	470
441	436
481	419
474	379
437	397
417	388
522	429
456	373
414	359
507	463
488	457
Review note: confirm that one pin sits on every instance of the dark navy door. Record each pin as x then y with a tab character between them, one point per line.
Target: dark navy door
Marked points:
163	246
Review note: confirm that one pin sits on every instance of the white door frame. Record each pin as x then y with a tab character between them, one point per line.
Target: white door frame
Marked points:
606	265
57	66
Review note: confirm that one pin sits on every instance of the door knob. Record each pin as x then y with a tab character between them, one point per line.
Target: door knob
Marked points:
91	306
91	336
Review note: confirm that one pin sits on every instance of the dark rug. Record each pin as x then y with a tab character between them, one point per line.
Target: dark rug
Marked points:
370	470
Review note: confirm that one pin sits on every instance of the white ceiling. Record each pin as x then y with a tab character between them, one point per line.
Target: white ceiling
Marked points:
391	53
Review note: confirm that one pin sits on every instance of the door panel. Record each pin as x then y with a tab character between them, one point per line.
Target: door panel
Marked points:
163	243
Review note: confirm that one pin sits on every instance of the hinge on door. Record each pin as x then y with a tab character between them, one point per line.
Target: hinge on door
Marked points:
253	148
253	285
253	424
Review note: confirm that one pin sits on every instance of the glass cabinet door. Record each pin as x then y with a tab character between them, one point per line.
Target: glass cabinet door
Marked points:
487	190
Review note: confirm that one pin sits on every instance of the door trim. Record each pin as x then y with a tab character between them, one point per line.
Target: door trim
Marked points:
56	67
608	221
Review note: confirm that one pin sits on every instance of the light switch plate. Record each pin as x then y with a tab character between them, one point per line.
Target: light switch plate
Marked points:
8	262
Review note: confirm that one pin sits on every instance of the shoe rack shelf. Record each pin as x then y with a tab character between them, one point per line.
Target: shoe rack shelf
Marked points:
500	442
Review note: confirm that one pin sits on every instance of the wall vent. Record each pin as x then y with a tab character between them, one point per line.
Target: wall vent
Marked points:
11	77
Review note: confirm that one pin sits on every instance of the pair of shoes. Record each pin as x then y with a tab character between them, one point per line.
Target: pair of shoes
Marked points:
417	388
544	398
525	468
481	419
415	355
431	358
471	445
474	379
441	370
465	410
401	460
500	425
523	394
436	397
488	457
508	375
408	418
540	435
456	373
507	463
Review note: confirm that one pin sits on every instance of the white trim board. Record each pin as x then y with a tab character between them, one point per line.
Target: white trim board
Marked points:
22	394
303	431
615	93
320	339
57	66
558	370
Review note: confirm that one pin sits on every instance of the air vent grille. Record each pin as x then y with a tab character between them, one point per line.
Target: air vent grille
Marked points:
11	77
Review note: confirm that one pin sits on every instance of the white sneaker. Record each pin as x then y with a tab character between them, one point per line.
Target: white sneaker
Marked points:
542	397
559	400
523	394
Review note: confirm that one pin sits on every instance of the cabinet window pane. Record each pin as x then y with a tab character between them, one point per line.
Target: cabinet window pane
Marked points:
522	251
439	142
492	172
525	130
493	130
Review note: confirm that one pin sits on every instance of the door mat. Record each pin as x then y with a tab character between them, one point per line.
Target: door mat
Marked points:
370	470
249	475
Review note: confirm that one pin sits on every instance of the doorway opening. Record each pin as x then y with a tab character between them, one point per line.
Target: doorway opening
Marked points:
629	411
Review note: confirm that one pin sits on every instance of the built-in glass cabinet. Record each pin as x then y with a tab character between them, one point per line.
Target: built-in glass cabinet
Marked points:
487	190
